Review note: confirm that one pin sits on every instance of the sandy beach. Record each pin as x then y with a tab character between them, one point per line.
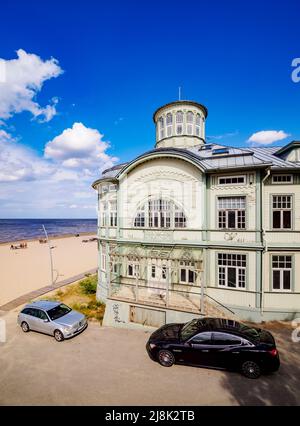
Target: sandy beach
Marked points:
25	270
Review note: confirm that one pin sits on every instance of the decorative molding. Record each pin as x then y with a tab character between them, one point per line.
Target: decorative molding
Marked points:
233	236
165	174
158	236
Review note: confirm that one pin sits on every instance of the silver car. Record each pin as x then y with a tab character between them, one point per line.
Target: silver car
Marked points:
53	318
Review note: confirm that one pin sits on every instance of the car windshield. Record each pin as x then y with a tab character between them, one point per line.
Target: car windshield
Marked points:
58	312
189	329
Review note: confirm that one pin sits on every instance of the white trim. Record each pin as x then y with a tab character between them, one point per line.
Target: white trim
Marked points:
283	182
232	177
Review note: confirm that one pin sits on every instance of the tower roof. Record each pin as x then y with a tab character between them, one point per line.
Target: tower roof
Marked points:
185	102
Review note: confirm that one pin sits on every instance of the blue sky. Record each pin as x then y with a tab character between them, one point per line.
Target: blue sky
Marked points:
123	59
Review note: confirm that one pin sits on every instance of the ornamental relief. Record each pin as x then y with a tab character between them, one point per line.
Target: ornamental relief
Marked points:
164	174
158	236
233	236
235	188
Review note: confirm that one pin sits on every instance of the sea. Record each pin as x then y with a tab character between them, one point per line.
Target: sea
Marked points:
23	229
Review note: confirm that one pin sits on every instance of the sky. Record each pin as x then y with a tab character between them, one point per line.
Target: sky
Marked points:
80	80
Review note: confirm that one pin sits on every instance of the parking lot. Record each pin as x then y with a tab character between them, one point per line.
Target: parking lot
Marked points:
107	366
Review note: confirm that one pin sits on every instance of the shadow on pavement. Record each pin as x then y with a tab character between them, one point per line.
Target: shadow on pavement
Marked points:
280	388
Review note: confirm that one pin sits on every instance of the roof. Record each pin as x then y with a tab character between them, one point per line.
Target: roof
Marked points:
43	304
288	147
185	102
216	158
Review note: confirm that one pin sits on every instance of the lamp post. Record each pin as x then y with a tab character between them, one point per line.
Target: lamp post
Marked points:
50	253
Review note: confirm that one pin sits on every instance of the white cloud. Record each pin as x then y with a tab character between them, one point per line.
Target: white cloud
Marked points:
22	79
79	147
35	186
267	137
18	162
57	184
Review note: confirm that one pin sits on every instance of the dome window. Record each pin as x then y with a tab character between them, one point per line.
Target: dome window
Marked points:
198	124
190	117
169	119
169	122
161	127
179	129
179	117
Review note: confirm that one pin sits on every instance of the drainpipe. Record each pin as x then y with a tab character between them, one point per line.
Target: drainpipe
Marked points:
263	237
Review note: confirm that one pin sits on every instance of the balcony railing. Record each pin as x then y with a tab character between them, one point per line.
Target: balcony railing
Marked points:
158	296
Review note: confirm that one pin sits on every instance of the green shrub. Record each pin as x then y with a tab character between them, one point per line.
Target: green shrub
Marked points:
89	285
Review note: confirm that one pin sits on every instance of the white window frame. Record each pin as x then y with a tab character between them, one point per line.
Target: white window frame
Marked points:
160	211
187	267
232	177
281	270
103	213
153	271
161	121
281	210
223	213
169	126
113	215
277	176
232	260
135	269
198	125
179	123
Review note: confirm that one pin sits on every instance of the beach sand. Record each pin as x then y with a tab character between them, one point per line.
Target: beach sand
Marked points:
25	270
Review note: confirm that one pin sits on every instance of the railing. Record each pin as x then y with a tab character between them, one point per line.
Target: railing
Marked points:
219	303
184	300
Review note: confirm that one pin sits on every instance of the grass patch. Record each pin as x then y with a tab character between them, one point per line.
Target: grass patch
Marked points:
81	296
89	285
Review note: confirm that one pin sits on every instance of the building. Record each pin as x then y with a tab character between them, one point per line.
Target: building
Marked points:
192	228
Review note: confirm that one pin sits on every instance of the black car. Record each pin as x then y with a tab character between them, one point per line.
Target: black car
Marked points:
215	343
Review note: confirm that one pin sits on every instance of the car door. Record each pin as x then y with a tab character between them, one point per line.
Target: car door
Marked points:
42	321
226	349
198	349
32	319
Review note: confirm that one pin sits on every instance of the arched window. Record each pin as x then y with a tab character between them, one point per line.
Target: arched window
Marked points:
179	117
139	220
161	127
189	122
169	122
179	122
198	124
169	119
160	213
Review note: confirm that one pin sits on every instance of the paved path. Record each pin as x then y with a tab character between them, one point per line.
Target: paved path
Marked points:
36	293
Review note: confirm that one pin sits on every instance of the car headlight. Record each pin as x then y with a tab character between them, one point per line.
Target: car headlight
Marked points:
152	345
67	329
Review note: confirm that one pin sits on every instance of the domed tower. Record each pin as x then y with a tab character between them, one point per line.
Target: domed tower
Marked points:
180	124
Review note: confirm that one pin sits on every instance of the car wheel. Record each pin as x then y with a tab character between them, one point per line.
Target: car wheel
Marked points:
58	336
166	358
251	370
25	327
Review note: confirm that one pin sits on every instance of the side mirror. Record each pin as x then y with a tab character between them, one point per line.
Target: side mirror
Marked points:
46	320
